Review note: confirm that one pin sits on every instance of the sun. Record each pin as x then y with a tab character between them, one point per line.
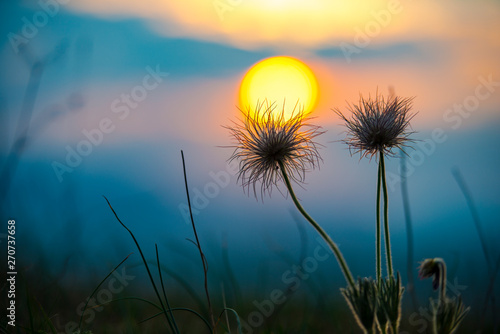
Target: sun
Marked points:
286	81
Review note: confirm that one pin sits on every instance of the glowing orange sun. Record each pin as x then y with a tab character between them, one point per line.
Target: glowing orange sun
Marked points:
286	81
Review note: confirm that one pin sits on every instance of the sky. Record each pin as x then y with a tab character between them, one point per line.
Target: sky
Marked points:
85	57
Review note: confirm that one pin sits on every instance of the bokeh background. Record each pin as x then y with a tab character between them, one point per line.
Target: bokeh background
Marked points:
68	65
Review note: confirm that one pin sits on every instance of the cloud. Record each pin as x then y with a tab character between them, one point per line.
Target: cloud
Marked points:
314	23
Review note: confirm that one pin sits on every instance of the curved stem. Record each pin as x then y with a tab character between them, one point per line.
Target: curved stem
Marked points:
145	265
198	245
378	246
319	229
165	292
442	277
386	217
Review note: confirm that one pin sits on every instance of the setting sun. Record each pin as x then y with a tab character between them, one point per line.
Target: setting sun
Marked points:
278	80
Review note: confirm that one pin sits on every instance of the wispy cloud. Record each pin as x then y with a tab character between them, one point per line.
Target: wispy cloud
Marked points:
314	23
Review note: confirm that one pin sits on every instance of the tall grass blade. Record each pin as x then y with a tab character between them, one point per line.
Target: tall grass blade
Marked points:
238	321
145	264
492	268
457	175
163	290
184	284
202	256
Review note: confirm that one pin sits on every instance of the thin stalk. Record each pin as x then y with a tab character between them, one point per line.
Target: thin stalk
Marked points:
228	309
378	246
97	288
184	284
21	135
442	277
386	217
164	291
409	232
492	269
145	265
475	216
319	229
203	259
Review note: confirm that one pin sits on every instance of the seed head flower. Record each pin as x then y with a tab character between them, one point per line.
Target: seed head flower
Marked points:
378	125
265	138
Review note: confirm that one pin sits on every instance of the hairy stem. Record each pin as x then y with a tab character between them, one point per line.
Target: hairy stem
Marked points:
386	217
319	229
378	246
442	277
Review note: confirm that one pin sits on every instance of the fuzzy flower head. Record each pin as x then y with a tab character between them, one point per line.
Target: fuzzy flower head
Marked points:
265	138
378	125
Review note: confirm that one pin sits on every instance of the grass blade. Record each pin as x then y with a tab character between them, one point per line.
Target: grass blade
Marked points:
202	256
475	216
163	290
226	309
145	264
97	288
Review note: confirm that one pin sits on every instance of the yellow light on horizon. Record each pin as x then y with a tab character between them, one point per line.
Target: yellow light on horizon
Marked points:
282	80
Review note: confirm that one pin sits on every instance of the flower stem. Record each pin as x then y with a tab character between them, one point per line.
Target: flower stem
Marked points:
378	247
386	216
319	229
442	277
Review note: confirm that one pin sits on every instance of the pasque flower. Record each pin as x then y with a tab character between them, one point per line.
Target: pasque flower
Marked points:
432	268
272	148
376	127
378	124
265	138
447	314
